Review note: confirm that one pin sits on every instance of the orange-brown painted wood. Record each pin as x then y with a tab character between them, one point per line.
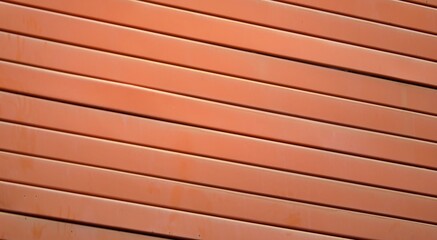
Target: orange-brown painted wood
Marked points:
303	76
290	45
205	171
431	3
213	172
311	22
206	85
18	227
159	134
222	117
210	201
355	224
392	12
111	213
137	116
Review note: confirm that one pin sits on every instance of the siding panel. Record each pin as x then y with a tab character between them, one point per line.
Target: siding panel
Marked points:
245	119
208	171
188	197
398	13
24	227
255	95
287	45
125	69
308	21
131	129
107	212
236	120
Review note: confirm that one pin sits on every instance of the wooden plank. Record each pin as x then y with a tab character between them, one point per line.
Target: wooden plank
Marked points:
397	13
213	172
143	218
149	103
222	88
192	83
309	21
305	77
197	141
430	3
161	47
28	199
211	201
17	227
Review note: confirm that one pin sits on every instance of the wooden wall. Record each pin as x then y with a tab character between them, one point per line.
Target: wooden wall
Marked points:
218	119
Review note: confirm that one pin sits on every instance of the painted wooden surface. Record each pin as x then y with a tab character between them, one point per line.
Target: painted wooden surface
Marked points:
233	119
